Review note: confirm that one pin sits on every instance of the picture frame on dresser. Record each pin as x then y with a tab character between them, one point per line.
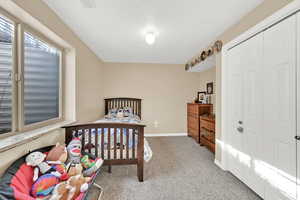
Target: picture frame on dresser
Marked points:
201	97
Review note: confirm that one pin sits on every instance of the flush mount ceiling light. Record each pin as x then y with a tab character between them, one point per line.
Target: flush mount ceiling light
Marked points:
150	38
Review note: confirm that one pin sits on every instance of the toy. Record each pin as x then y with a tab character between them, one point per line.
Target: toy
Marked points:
36	160
74	151
90	165
74	154
56	158
44	185
70	189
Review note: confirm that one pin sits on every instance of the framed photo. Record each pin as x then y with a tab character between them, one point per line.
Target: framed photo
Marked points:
201	97
210	88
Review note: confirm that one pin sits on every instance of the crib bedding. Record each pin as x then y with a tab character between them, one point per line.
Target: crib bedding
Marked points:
125	135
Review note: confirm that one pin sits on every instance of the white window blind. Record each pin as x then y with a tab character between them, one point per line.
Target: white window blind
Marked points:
41	80
6	66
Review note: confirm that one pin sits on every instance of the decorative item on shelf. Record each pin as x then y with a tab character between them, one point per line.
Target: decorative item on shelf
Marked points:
218	45
210	88
215	48
203	55
202	97
187	66
210	51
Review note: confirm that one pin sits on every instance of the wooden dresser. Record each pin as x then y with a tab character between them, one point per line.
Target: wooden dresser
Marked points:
207	132
194	110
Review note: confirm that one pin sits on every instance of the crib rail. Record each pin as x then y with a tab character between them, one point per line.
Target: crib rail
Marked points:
116	143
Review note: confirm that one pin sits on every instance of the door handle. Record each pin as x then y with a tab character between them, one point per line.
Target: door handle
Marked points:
240	129
297	137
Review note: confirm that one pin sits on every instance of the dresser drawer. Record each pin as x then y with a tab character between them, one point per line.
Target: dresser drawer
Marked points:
193	109
193	122
207	125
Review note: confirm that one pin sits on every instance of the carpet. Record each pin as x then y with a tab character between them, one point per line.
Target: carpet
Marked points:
179	169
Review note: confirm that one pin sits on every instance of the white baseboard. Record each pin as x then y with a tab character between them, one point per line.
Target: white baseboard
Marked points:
164	134
219	164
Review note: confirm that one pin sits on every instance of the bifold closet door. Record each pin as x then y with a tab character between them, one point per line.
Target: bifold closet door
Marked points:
245	111
298	107
278	164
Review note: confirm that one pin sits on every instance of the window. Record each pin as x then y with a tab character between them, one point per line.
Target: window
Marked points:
30	83
41	80
6	67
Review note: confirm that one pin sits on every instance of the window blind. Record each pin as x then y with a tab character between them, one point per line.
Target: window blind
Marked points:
6	63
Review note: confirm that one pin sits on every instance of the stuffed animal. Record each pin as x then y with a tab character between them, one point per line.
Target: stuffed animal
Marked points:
74	154
70	189
44	185
90	165
74	151
36	160
56	158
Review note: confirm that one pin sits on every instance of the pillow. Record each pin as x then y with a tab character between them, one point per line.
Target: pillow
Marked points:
113	112
128	111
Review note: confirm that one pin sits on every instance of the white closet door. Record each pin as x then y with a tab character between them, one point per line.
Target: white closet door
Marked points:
252	109
298	106
278	164
235	111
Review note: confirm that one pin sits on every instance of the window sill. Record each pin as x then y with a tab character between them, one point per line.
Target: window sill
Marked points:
24	137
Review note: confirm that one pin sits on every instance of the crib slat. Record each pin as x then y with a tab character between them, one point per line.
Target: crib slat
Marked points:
121	143
133	143
108	144
115	143
83	139
127	143
102	142
96	142
90	140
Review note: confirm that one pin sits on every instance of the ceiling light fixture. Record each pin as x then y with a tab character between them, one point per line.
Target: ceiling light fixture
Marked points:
150	38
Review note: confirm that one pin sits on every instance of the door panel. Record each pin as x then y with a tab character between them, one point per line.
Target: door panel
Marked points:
279	100
235	98
298	106
252	106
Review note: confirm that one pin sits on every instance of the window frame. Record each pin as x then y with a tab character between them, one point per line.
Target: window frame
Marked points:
18	123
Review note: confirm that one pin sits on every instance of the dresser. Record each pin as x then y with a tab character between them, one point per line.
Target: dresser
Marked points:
194	111
207	132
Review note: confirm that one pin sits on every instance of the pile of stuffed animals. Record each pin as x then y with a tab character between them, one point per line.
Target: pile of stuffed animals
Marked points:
63	173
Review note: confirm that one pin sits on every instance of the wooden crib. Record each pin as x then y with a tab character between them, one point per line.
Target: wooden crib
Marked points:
106	146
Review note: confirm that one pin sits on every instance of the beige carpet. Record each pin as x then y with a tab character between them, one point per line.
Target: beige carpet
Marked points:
179	169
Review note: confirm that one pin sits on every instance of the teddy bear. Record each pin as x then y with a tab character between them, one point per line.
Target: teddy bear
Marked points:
56	158
70	190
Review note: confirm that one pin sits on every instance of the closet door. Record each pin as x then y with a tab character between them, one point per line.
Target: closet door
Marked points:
235	111
278	164
253	109
298	107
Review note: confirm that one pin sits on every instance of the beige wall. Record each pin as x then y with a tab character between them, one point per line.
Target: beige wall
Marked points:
89	72
165	90
205	77
267	8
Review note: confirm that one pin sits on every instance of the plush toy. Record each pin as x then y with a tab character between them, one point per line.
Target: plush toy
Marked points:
90	165
70	189
56	158
75	157
74	151
74	154
44	185
36	160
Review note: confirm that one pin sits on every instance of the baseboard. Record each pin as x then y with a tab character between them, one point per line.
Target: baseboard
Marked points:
165	134
219	164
